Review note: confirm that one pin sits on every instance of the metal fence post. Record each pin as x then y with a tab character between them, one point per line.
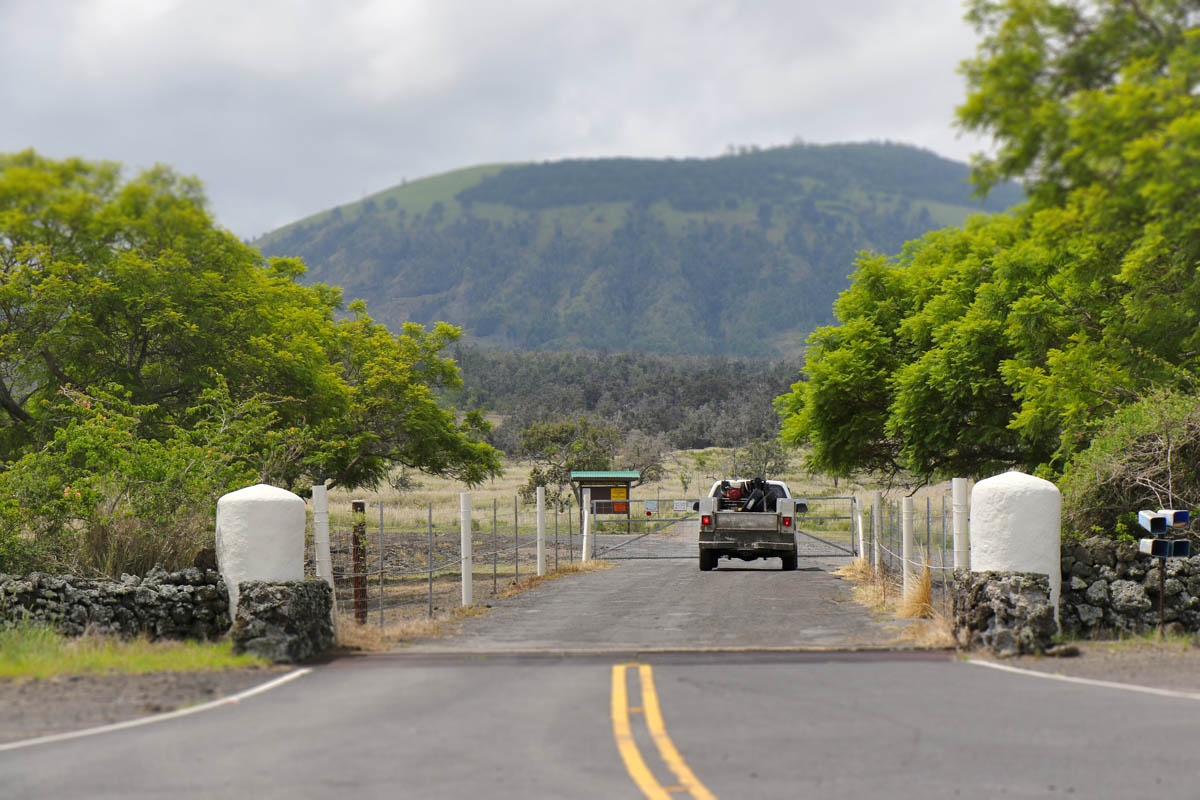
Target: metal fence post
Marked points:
381	566
570	536
541	530
516	544
556	536
928	525
906	545
431	559
876	526
464	526
359	581
495	547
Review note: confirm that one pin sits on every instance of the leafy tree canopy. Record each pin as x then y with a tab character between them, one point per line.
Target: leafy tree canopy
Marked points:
106	282
1007	342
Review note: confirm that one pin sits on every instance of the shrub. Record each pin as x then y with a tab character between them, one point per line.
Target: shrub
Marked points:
1147	455
115	490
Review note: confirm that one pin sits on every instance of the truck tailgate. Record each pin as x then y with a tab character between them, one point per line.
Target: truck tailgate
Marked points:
745	521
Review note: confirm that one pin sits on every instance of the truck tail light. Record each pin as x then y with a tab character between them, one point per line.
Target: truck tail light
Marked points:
706	520
787	522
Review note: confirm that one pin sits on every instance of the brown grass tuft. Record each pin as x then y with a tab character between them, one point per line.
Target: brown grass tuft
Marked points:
857	571
917	601
936	632
373	639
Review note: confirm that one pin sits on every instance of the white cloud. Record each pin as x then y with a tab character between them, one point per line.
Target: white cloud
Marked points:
285	108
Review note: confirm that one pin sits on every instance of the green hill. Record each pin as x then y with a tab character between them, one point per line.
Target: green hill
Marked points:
738	255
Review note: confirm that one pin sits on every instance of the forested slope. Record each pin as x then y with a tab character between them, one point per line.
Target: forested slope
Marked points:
738	255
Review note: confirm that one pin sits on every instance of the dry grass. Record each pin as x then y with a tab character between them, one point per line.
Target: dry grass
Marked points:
917	601
574	568
872	588
931	633
857	571
374	639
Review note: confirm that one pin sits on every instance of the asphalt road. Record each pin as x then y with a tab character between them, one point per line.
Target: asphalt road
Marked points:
671	604
463	720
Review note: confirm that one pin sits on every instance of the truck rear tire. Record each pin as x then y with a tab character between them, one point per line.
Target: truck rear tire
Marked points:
708	560
789	562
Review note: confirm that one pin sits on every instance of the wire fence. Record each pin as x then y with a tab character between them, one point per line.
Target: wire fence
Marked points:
933	544
388	571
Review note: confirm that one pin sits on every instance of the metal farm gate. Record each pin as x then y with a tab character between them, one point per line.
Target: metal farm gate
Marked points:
670	528
828	529
645	529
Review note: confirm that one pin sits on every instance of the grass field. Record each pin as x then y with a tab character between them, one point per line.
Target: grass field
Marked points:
31	650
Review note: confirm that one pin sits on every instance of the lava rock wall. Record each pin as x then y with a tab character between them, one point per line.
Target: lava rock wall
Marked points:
1110	589
188	604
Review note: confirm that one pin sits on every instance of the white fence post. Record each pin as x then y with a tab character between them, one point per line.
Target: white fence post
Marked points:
906	531
862	537
464	527
876	527
962	536
320	498
541	530
587	525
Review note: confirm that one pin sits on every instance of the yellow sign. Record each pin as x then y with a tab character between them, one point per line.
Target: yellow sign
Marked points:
619	493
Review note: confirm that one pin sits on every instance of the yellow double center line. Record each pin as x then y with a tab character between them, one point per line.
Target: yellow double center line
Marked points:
658	731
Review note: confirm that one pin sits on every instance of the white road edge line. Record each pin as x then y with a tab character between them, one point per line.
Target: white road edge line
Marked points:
1129	687
150	720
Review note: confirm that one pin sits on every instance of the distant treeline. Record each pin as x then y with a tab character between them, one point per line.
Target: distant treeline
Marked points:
691	401
774	175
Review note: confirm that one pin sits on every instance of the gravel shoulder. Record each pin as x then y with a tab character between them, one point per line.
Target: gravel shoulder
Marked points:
57	705
1173	664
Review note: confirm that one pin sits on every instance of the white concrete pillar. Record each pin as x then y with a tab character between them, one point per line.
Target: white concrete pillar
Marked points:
587	525
1015	527
960	514
260	537
541	530
906	545
464	530
877	527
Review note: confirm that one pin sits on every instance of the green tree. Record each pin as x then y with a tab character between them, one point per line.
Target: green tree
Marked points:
1008	343
556	449
106	282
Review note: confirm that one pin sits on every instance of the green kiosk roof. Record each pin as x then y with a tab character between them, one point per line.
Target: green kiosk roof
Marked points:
606	475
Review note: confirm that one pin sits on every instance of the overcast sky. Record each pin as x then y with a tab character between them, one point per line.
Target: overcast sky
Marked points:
287	108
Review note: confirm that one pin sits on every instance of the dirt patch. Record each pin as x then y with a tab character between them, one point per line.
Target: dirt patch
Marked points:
1174	664
56	705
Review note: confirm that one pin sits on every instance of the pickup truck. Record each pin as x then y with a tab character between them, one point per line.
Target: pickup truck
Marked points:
748	519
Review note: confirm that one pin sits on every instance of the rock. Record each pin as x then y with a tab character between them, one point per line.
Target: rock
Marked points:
1128	597
1097	593
206	559
1062	651
1089	615
285	622
1078	584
